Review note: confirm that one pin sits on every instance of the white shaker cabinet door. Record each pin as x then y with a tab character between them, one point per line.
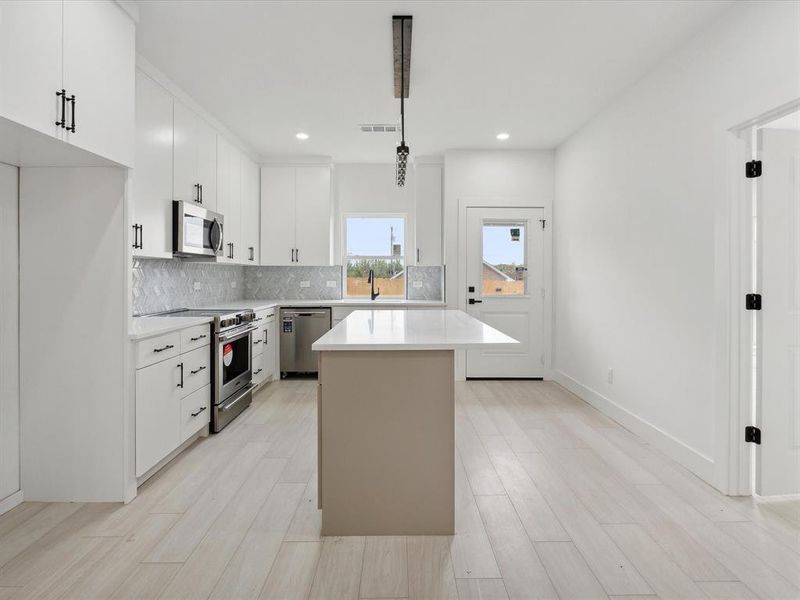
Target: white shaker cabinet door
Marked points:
251	202
313	215
428	215
158	412
229	201
99	70
206	141
277	215
30	63
152	182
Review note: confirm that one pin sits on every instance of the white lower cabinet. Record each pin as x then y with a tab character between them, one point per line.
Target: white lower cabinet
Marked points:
158	406
195	409
265	340
173	395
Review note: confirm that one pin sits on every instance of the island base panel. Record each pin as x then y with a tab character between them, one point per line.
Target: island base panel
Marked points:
387	442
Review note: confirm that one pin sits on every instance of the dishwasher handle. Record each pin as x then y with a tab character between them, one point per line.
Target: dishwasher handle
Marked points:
310	313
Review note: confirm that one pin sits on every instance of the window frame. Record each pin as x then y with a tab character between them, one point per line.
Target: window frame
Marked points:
347	257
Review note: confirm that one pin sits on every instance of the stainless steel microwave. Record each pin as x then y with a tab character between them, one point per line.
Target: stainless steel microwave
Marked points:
196	231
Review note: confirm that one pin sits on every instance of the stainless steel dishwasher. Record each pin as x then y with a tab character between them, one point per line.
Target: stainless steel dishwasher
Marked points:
301	327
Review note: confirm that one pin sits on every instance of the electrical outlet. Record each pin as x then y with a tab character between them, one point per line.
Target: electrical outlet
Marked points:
197	286
610	376
305	284
331	284
416	284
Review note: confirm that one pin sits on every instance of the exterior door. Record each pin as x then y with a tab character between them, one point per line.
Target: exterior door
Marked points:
505	279
778	456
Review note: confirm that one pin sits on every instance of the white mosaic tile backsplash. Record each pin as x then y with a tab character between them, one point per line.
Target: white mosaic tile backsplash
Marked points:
167	284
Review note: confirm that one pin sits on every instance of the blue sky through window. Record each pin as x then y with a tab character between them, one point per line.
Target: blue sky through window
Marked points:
498	247
371	236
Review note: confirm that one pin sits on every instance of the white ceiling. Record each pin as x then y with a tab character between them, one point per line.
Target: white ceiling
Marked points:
537	70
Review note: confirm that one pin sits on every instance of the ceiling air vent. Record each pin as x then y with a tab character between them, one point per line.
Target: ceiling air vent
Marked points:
379	128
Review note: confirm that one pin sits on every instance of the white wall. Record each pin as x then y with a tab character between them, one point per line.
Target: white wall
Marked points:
74	269
371	188
9	338
492	178
642	251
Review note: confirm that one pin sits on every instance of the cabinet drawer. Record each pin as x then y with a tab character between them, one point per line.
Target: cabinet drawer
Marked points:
196	370
259	340
195	409
195	337
259	368
155	349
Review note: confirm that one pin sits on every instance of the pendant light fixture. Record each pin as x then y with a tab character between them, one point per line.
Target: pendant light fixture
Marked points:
401	27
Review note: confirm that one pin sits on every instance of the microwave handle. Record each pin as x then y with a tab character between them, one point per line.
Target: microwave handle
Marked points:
216	223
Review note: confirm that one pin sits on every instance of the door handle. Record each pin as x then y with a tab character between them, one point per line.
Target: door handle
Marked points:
473	301
180	366
63	95
73	102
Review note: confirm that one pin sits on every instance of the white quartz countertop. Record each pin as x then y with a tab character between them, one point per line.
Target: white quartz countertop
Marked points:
261	304
435	329
145	327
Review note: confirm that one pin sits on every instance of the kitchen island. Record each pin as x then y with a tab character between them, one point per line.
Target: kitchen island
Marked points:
386	419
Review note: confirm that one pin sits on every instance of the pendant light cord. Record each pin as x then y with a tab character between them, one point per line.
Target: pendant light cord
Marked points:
402	82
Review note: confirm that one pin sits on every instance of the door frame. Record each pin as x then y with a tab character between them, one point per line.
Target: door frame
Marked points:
743	326
547	280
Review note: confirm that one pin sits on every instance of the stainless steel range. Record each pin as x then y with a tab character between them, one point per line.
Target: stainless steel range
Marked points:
231	360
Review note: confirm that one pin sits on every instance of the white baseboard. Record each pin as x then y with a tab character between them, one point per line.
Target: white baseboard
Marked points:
697	463
6	504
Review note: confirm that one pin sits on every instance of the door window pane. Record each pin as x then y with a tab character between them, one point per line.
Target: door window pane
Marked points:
503	270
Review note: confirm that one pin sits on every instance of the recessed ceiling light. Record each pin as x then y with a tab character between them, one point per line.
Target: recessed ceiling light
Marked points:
301	136
503	136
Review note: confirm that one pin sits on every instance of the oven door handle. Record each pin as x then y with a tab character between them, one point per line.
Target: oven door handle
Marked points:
236	335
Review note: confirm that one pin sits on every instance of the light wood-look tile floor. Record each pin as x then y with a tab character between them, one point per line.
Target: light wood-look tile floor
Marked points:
554	500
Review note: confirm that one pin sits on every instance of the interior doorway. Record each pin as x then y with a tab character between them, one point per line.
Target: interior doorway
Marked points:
776	327
505	279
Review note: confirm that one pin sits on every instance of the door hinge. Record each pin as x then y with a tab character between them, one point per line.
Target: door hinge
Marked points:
752	434
752	169
543	222
752	302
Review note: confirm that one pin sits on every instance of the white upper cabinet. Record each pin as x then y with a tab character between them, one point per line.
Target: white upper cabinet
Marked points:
152	177
312	225
195	159
277	215
428	217
296	215
87	49
99	74
28	87
229	174
250	211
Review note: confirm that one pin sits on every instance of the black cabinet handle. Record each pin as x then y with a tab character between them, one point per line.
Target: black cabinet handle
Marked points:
297	254
292	254
180	366
257	342
202	408
196	371
473	301
252	252
199	337
197	193
137	236
141	236
73	102
167	347
417	254
63	95
257	372
201	193
266	337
